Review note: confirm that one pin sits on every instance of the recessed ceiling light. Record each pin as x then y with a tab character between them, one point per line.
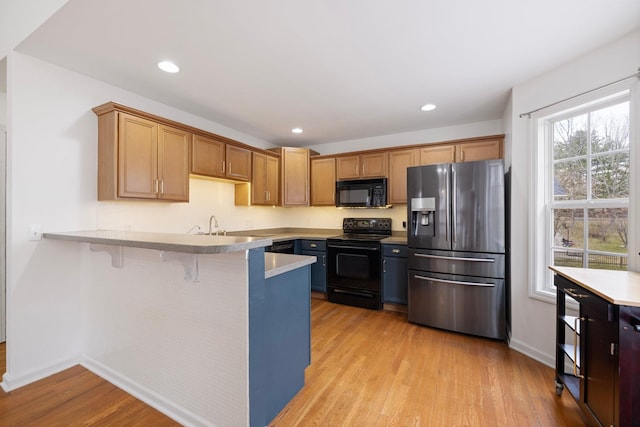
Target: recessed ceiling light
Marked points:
168	66
296	130
428	107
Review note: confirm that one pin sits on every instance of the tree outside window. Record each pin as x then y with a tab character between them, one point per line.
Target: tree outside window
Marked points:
590	186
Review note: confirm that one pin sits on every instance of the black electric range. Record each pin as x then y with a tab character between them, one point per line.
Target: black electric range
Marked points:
354	262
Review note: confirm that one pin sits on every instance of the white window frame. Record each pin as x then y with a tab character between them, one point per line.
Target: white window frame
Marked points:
541	185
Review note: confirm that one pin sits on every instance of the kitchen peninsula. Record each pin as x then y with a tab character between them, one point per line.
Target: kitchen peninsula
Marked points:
209	330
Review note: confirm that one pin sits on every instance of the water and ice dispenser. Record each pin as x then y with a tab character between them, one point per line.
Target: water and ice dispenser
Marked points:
423	211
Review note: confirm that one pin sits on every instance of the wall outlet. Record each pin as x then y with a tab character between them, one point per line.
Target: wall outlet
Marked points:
35	232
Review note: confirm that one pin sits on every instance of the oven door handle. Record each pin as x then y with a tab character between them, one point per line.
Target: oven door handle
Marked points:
360	294
352	247
454	282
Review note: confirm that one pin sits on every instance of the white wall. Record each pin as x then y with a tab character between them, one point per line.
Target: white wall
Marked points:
18	19
3	110
534	320
468	130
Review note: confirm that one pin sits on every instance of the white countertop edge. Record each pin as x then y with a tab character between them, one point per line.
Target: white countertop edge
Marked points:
276	264
187	243
615	286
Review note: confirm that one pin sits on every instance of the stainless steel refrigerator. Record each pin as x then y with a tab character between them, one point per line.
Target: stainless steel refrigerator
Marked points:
457	254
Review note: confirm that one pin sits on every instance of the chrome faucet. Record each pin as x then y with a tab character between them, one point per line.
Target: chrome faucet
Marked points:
215	221
195	227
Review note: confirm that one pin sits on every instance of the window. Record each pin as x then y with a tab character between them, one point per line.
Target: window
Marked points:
584	188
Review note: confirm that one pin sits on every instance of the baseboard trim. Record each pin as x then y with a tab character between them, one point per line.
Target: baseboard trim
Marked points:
527	350
151	398
9	382
398	308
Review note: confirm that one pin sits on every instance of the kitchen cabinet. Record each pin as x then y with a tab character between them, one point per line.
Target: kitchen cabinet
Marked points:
399	161
317	248
218	159
139	158
294	176
368	165
394	274
323	182
264	187
602	346
468	151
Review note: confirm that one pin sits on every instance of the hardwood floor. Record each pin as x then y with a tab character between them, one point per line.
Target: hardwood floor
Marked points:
369	368
375	369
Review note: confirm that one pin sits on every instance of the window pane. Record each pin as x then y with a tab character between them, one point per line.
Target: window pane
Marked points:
608	230
568	228
570	180
570	137
610	176
610	128
567	258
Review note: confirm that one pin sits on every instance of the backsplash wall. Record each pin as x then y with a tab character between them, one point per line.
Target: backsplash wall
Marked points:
209	197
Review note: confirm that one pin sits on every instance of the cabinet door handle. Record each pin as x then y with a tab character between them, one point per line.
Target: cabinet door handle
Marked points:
575	347
155	186
223	166
395	251
364	169
229	167
162	186
384	265
313	245
573	294
324	260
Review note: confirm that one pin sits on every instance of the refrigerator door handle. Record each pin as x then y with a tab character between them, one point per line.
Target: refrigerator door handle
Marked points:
454	282
453	258
448	205
454	207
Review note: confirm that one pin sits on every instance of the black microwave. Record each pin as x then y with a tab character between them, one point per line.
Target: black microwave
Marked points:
362	193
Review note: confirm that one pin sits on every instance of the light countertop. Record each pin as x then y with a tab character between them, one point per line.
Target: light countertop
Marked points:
276	264
188	243
617	287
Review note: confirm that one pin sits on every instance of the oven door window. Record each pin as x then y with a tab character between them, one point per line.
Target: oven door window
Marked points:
352	266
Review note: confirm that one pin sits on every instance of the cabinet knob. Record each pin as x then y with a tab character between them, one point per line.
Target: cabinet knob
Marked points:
395	251
313	245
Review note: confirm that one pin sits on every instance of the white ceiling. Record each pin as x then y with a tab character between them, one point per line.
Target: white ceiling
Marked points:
339	69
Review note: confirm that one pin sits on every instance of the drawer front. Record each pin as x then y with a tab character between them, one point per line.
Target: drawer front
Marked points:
314	245
395	250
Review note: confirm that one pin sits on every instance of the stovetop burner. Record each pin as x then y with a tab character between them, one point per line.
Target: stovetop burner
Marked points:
355	236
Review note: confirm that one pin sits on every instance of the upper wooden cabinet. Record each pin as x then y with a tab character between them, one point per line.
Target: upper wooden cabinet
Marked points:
468	151
437	154
139	158
217	159
294	176
323	182
479	150
368	165
399	161
264	187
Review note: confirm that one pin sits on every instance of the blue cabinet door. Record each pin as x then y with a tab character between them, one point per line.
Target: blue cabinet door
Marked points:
318	249
394	274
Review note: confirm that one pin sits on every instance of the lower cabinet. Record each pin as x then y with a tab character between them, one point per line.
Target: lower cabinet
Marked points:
317	248
601	346
394	274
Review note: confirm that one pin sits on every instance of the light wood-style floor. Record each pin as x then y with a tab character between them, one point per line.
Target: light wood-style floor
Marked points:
369	368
